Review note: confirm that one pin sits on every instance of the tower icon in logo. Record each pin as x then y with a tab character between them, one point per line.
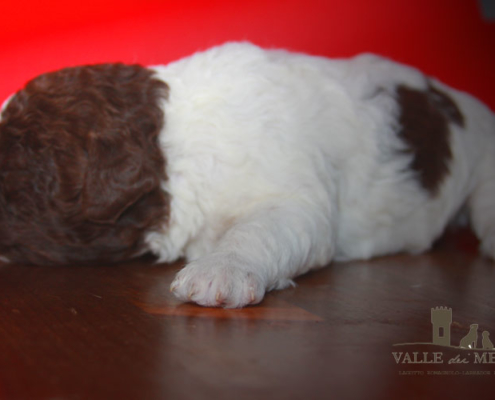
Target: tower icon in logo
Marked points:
441	318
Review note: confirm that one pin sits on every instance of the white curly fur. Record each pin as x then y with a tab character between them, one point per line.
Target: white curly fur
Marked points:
279	163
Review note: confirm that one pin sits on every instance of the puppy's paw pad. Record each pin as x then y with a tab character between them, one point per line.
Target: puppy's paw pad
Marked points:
216	283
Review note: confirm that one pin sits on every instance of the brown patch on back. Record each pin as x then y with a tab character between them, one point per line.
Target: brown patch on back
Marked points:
446	106
80	165
424	126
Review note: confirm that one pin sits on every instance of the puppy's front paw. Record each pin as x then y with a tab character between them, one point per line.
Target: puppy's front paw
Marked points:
218	281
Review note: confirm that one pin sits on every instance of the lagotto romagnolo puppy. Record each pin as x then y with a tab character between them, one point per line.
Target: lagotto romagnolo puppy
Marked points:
256	166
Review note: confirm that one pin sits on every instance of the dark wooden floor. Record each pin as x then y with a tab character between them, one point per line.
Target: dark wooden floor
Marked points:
115	332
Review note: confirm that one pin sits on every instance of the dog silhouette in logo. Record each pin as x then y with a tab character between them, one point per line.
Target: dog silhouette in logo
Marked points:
486	342
469	341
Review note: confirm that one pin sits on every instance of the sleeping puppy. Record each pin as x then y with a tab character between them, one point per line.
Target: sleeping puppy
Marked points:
256	166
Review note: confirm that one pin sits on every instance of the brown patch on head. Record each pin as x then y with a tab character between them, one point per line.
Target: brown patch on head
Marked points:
80	165
424	125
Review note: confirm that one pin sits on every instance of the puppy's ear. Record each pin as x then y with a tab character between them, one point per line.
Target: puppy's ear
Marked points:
119	172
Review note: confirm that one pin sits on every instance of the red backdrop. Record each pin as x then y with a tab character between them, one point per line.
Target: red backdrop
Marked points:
446	38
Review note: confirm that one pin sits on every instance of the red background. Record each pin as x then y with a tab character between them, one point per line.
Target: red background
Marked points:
446	38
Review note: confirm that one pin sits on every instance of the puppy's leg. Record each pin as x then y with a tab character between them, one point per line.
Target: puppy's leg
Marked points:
261	251
482	205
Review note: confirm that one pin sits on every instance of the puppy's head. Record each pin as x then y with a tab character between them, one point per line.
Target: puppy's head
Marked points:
80	165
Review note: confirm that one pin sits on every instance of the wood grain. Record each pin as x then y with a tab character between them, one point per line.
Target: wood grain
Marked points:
115	332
